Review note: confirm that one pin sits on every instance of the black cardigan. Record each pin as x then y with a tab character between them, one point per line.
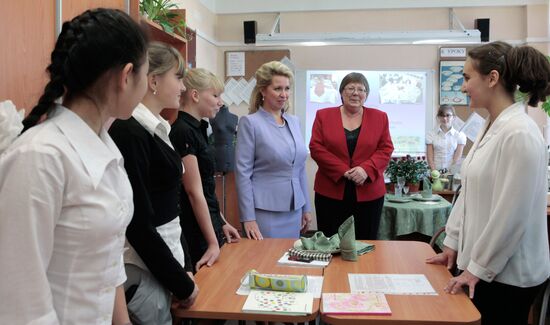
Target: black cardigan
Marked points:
154	170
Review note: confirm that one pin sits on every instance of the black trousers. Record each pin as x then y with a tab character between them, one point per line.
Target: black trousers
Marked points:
500	303
332	213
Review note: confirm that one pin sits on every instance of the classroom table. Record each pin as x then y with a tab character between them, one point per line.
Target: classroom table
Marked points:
400	219
217	284
446	194
401	257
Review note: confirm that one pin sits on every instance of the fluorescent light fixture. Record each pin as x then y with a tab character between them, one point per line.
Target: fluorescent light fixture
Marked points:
467	36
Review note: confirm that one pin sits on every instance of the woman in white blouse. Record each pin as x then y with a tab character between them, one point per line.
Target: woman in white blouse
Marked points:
497	233
445	144
64	195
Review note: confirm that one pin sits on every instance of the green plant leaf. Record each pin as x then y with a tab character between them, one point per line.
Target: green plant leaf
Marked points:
167	27
159	12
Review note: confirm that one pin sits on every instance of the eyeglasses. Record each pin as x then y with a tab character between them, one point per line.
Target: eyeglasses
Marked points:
351	90
446	115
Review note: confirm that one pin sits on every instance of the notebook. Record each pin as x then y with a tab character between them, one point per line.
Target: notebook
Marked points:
279	303
370	303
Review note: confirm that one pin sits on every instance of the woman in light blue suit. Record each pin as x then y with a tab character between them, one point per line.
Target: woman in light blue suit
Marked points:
270	161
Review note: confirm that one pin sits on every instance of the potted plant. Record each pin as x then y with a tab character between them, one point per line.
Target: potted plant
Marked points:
164	13
414	169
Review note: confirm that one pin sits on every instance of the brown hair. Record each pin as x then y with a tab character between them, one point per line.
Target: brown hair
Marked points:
163	57
446	108
354	77
521	66
264	75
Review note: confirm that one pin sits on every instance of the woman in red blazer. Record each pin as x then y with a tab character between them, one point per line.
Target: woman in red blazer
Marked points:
352	147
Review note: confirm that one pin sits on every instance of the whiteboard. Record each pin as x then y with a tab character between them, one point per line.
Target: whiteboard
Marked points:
407	97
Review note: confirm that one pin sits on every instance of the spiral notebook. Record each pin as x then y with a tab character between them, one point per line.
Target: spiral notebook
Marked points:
296	257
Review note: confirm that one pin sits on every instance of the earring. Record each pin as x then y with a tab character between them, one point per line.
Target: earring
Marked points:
263	98
154	92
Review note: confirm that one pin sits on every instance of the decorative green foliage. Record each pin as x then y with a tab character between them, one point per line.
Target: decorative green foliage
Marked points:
414	169
159	12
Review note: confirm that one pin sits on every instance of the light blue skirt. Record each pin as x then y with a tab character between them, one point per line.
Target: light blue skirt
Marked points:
275	224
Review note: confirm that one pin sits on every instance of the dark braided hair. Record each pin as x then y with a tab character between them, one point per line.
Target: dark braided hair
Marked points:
519	67
89	45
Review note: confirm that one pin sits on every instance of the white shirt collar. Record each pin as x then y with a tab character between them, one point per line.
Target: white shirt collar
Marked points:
96	152
451	131
509	113
153	124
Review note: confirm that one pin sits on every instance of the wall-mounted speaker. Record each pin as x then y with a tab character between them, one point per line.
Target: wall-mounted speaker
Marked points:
249	31
482	24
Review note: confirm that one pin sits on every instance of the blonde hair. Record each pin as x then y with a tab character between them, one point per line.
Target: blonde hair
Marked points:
264	75
163	57
202	79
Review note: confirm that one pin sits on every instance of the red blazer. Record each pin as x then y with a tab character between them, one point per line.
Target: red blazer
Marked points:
330	150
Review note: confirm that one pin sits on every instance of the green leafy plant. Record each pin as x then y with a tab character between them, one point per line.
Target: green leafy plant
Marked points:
414	169
160	12
522	97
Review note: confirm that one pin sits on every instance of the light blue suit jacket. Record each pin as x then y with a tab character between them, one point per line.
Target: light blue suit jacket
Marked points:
266	178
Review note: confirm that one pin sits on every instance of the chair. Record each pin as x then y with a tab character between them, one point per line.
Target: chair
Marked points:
442	229
540	305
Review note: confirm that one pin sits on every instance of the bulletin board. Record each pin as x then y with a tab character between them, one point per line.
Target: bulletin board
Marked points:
456	54
253	60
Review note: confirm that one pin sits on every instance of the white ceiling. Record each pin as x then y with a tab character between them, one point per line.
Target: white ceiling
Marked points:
267	6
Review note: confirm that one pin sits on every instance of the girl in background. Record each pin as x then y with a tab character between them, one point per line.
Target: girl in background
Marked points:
444	146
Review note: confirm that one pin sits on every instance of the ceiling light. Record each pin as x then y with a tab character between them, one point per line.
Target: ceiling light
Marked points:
370	38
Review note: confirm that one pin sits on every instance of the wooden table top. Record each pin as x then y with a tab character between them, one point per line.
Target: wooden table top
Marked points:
402	257
217	284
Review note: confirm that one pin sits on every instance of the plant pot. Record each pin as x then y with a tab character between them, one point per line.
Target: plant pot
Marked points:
413	187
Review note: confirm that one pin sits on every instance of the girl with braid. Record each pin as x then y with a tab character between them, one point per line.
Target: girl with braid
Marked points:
64	194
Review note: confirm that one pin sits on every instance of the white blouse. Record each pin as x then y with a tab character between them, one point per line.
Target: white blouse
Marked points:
65	203
498	224
444	144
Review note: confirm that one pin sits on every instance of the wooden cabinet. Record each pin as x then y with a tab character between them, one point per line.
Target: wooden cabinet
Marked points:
72	8
27	40
227	197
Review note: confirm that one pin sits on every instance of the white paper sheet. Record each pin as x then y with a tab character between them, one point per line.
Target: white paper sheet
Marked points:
314	286
458	123
473	125
392	284
235	64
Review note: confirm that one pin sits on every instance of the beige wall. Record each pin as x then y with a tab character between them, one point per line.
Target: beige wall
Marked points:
206	24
